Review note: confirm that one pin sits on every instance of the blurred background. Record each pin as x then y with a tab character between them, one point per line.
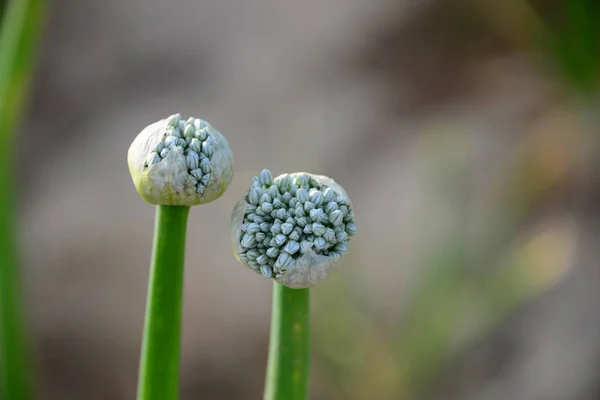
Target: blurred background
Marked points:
464	131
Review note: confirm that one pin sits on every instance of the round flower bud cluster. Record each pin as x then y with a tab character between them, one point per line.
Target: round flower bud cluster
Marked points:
294	228
192	137
179	162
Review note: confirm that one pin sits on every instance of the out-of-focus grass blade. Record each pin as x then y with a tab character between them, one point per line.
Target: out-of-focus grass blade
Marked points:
21	22
573	41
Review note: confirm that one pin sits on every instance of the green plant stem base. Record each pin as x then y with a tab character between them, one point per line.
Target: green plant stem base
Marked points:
159	362
289	347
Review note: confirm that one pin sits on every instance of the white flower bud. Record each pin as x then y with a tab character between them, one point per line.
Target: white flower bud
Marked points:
196	173
296	234
248	241
188	131
329	235
259	211
276	228
195	145
301	222
286	228
292	247
205	179
263	259
283	260
201	134
206	165
300	225
308	206
336	217
170	141
172	181
266	207
191	161
252	254
253	197
273	252
344	210
291	221
266	271
341	236
265	178
330	207
273	192
320	243
328	195
349	217
173	120
318	229
281	213
302	195
299	212
265	198
350	229
341	248
280	239
287	196
318	199
302	180
341	200
317	215
207	148
174	133
252	227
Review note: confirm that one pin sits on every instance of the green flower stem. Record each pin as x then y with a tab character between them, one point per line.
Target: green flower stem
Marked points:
21	24
159	363
289	348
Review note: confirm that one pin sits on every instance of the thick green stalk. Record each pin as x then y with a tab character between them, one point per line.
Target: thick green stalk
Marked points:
289	348
159	362
21	24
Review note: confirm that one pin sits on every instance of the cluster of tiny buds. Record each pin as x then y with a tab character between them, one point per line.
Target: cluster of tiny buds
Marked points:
193	138
290	215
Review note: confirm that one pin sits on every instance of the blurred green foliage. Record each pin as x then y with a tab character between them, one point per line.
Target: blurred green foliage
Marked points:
574	41
18	39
